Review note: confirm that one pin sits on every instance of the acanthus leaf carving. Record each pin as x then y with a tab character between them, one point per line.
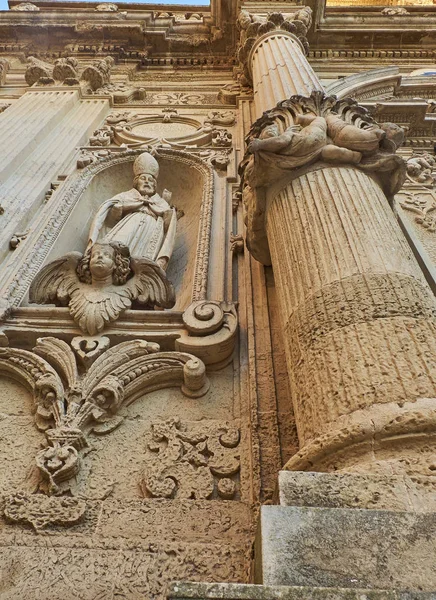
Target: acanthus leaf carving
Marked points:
253	26
70	404
302	131
195	461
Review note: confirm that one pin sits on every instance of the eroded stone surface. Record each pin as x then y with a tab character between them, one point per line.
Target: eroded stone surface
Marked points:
351	490
235	591
352	548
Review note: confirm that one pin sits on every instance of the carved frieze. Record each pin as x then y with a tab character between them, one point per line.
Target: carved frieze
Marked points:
195	461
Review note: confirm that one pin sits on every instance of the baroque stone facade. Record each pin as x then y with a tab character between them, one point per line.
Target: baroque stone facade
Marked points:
217	312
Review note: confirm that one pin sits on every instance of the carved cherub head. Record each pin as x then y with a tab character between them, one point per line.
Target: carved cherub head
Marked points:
105	263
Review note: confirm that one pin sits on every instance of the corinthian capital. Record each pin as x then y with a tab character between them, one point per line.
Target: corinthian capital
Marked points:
253	26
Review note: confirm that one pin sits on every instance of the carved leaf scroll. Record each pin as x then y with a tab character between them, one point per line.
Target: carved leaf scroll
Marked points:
192	461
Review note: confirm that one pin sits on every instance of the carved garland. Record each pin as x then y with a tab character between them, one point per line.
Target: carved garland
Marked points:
53	218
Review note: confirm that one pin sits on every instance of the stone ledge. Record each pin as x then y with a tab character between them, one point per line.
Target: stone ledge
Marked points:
238	591
355	490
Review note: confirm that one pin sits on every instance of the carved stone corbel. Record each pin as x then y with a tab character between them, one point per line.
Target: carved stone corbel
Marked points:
211	332
38	71
98	74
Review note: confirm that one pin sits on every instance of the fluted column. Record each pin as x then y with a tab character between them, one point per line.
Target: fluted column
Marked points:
358	322
279	70
358	317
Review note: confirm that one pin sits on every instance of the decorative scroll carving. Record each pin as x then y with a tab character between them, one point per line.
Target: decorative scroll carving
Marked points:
26	7
224	118
98	74
423	204
106	7
124	262
4	67
177	98
253	26
41	511
212	331
395	11
102	137
302	131
420	169
69	406
196	461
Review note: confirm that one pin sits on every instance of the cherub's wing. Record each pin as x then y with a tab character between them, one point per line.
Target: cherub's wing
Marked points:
150	285
57	281
94	309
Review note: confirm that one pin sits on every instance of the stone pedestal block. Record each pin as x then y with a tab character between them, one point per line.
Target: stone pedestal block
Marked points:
346	548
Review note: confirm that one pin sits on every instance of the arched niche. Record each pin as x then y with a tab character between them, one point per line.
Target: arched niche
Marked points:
191	182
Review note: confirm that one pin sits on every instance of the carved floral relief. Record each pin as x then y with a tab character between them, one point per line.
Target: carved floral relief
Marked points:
198	461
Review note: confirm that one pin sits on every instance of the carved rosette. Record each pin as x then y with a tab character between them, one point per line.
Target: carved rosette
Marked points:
192	461
304	133
252	27
71	404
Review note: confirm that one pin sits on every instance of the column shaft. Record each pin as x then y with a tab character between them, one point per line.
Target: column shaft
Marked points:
280	70
358	319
